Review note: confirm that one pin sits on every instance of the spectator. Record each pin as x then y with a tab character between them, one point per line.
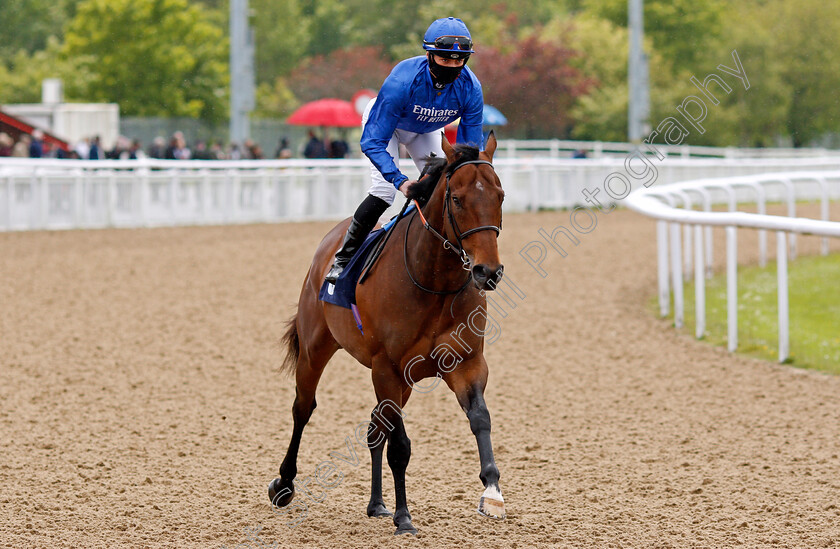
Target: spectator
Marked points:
135	152
201	152
339	148
217	151
21	148
246	149
6	144
255	152
36	146
82	149
178	149
315	147
579	153
95	152
120	150
233	152
283	150
158	148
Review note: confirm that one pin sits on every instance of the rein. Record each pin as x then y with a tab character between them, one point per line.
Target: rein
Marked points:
448	244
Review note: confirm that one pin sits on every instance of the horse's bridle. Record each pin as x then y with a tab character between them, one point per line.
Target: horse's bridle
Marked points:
447	210
459	236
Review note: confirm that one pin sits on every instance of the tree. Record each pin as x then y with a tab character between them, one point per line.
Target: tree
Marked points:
155	57
27	25
806	37
22	81
680	29
282	37
339	74
535	86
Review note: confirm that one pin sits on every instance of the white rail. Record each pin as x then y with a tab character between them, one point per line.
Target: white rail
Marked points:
62	194
660	203
558	148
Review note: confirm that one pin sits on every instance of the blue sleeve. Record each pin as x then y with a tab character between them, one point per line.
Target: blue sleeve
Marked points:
381	123
469	130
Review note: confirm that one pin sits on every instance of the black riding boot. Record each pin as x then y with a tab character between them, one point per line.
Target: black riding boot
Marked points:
365	218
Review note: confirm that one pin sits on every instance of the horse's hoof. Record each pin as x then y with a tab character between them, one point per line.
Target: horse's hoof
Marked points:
492	504
378	510
407	528
280	495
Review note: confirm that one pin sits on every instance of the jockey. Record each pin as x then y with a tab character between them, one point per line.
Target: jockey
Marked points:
420	96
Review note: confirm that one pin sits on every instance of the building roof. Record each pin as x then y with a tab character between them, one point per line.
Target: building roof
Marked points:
15	127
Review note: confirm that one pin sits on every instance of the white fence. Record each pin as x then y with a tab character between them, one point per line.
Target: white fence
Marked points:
558	148
64	194
681	229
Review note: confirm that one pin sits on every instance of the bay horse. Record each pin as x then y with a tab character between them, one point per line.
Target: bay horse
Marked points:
414	307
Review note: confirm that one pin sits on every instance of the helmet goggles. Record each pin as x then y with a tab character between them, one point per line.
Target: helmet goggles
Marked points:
454	47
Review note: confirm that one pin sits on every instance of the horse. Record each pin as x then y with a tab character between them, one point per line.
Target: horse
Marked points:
415	306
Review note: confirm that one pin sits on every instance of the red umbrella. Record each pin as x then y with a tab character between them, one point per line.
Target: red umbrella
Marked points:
326	112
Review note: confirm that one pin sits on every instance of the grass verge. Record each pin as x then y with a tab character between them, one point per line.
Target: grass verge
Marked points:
814	297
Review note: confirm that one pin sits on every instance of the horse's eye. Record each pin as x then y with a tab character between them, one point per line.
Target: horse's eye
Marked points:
456	201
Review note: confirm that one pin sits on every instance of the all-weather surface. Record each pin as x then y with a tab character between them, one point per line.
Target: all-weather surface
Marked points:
142	406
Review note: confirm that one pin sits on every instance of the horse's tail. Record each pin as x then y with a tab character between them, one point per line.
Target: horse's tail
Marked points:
292	342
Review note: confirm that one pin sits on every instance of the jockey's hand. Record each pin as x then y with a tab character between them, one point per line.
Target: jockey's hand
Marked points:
404	188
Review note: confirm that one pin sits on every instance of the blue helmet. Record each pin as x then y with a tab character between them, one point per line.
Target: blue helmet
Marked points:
448	37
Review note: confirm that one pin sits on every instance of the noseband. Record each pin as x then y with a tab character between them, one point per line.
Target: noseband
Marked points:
459	236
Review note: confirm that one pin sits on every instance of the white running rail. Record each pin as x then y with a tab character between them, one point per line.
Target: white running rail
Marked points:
680	228
67	194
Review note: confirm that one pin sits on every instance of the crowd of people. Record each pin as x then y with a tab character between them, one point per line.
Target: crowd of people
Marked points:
176	148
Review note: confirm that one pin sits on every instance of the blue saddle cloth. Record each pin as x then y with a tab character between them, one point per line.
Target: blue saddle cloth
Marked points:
343	293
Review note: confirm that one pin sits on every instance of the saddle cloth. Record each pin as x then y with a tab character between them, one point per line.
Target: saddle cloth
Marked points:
343	293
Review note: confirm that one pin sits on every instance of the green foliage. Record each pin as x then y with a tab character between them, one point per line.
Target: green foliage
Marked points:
156	57
329	24
22	81
680	29
275	100
806	35
281	35
601	54
27	25
169	58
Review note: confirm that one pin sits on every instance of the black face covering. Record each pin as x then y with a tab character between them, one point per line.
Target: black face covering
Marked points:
444	75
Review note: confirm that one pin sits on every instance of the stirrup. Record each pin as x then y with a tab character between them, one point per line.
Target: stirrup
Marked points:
335	272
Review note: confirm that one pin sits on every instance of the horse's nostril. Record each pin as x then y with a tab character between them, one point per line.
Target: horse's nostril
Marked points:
481	273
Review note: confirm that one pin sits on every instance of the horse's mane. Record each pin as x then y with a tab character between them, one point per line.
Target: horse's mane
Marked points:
435	167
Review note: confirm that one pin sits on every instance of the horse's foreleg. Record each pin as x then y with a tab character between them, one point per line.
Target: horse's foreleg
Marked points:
491	503
467	381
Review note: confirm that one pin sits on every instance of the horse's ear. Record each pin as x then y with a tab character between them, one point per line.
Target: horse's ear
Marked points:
447	149
490	147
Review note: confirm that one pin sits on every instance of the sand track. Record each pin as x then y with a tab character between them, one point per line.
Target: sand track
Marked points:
141	406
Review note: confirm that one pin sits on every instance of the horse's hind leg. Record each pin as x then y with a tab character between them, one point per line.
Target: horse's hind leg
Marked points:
388	424
316	349
376	443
